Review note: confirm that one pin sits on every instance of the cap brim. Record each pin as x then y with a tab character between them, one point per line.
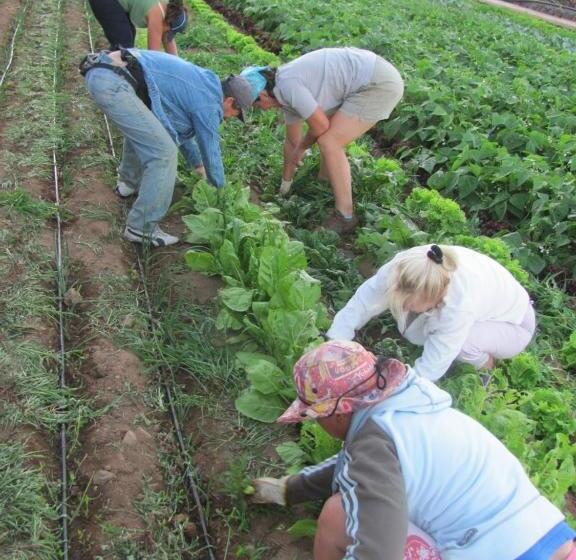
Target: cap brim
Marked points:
242	115
296	412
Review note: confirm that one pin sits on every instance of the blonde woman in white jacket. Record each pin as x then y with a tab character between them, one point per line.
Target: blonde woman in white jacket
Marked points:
456	303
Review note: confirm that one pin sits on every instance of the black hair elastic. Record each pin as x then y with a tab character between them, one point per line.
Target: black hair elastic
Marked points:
435	254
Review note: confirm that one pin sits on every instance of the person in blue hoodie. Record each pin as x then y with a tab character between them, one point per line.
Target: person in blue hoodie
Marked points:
415	479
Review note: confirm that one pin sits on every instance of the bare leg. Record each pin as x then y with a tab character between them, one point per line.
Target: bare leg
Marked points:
343	130
323	172
564	551
489	364
331	540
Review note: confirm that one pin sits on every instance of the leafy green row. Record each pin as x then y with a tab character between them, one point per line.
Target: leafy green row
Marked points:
269	298
487	116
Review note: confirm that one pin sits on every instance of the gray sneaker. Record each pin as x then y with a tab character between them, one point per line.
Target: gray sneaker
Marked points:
157	238
123	190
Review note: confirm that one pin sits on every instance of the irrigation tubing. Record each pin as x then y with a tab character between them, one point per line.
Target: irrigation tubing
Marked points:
63	445
189	476
64	521
91	40
12	43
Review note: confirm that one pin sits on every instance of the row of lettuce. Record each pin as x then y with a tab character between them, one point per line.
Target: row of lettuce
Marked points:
487	117
283	281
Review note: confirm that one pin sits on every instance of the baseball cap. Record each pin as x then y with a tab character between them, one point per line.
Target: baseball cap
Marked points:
238	88
255	78
178	25
339	377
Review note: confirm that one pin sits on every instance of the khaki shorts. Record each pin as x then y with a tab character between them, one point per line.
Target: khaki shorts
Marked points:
376	100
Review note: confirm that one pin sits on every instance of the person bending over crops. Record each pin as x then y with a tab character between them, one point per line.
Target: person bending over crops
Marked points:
120	18
159	102
409	460
341	93
456	303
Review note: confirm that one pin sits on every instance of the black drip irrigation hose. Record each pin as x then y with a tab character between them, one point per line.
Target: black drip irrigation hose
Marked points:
61	282
61	286
165	374
189	476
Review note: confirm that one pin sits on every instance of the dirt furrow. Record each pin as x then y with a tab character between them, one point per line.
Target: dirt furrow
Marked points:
118	460
8	12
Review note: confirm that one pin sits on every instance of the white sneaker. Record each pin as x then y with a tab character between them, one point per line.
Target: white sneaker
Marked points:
156	238
123	190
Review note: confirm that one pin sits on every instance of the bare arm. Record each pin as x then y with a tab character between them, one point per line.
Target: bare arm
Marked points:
155	21
170	47
318	124
291	142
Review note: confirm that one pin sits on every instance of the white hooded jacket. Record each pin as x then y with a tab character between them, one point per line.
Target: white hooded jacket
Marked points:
480	290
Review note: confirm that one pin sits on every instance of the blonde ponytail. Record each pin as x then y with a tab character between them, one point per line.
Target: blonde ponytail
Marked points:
423	272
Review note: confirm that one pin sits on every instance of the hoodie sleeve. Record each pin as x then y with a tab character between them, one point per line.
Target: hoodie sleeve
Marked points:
368	301
373	497
444	343
311	483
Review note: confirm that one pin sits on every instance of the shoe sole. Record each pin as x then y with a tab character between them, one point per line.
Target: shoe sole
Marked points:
119	194
134	237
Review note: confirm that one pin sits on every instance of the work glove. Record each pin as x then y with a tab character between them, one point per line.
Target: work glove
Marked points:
285	186
269	490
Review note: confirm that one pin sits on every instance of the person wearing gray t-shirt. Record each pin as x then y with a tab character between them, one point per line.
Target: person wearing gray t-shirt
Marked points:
341	93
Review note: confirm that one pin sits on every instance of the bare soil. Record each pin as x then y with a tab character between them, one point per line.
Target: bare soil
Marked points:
246	25
118	459
8	11
565	9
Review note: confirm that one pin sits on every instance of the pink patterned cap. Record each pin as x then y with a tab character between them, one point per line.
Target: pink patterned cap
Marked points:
339	377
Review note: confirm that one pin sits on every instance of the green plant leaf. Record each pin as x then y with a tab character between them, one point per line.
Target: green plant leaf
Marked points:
201	262
255	405
204	196
297	291
276	262
266	378
292	454
236	299
207	227
227	319
229	260
247	359
303	528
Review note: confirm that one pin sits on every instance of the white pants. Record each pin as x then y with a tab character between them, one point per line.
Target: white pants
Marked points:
497	339
419	546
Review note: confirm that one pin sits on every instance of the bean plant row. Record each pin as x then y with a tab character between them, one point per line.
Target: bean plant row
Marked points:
488	114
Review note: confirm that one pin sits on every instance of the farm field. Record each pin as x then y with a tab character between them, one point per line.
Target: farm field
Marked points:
487	118
479	154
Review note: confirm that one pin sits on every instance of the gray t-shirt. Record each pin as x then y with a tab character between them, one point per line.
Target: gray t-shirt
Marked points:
322	78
